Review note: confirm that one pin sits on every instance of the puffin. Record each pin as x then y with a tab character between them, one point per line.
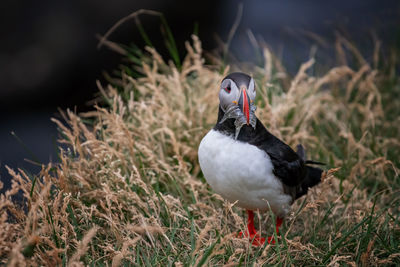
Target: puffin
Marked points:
247	165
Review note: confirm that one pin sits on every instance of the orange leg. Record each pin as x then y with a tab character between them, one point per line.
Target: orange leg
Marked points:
251	232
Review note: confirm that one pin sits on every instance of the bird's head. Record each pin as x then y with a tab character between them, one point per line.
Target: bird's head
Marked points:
236	99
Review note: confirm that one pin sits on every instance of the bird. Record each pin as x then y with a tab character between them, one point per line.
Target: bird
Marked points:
246	164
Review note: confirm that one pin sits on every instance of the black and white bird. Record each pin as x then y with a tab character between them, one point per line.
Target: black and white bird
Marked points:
246	164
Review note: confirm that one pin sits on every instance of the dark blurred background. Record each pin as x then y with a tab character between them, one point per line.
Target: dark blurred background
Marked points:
49	59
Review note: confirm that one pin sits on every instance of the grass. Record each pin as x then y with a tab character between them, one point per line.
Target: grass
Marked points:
129	190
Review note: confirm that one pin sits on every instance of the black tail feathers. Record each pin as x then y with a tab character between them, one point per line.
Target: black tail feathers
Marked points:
313	177
313	174
301	152
314	162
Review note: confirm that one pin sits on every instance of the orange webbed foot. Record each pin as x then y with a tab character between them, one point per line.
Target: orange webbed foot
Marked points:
255	238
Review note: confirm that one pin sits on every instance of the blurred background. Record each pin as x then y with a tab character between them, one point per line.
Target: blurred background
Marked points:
49	59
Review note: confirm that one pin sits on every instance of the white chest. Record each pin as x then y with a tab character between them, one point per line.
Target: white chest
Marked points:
241	172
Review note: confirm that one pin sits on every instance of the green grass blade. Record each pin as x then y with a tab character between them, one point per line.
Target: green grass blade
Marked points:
170	43
143	33
342	239
53	228
207	253
25	147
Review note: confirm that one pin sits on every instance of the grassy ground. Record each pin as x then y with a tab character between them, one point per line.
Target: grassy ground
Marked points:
129	190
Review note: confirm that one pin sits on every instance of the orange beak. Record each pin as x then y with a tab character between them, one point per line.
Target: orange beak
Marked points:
244	104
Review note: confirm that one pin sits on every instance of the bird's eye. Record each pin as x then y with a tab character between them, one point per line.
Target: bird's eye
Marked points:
228	89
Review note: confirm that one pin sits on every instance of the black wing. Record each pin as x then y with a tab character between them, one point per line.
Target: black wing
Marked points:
288	166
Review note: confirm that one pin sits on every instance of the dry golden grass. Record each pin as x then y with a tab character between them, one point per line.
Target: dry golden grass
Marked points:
129	190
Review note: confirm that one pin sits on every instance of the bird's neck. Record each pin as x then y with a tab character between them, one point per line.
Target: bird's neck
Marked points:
228	127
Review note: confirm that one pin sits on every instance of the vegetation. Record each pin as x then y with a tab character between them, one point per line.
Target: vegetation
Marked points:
129	190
